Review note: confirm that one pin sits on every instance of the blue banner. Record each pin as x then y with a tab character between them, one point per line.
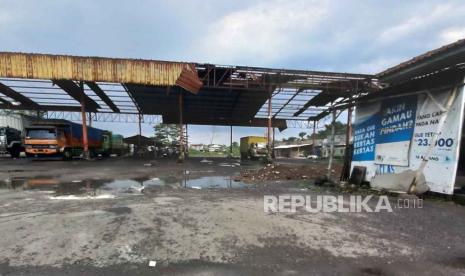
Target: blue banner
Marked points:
397	120
364	139
394	122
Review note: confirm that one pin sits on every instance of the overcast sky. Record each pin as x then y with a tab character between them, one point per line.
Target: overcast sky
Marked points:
347	36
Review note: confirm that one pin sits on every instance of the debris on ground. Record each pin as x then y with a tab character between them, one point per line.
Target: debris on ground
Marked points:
287	172
152	263
151	163
229	164
206	161
400	182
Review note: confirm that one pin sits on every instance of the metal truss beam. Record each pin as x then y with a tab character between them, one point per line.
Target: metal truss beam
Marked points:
106	117
9	92
75	92
99	92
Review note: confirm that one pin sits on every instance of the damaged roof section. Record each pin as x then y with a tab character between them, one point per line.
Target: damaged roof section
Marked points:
211	106
430	62
97	69
219	95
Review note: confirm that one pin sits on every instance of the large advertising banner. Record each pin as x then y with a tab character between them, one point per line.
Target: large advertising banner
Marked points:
365	132
395	129
441	168
403	128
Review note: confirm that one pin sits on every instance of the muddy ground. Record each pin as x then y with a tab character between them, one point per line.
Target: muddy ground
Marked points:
114	216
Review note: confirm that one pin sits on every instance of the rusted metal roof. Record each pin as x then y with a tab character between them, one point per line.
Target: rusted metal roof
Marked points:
221	95
97	69
445	56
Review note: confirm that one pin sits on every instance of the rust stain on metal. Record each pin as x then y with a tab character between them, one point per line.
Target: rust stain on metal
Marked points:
97	69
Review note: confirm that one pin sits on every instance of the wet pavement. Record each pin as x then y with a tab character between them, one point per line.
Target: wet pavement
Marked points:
97	188
115	217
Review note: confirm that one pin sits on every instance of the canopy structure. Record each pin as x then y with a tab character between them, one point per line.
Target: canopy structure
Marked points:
211	94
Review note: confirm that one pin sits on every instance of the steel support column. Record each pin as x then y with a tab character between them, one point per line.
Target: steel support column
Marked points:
140	131
230	142
181	134
331	147
268	133
349	125
272	152
345	173
314	138
85	141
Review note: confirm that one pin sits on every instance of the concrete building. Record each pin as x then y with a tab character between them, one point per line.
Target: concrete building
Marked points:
303	148
293	151
199	147
214	148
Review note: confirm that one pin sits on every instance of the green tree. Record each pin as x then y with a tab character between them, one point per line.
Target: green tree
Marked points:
166	134
292	139
302	135
340	128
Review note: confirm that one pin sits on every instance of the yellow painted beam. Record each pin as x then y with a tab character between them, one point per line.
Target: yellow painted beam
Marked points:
97	69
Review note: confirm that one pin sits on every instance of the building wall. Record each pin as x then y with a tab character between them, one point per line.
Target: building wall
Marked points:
339	151
293	152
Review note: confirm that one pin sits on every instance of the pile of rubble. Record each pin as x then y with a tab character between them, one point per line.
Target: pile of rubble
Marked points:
286	172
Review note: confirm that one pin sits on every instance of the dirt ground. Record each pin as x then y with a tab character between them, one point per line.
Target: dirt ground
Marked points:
290	171
114	216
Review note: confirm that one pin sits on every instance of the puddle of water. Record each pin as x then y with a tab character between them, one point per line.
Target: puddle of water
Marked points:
99	189
232	165
213	182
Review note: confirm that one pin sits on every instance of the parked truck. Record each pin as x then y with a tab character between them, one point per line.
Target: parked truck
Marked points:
112	144
11	132
60	138
253	147
11	141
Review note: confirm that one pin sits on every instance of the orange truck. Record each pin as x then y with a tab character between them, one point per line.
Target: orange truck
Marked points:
60	138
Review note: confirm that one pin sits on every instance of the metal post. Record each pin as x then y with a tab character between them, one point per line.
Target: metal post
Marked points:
181	134
272	152
85	141
314	138
349	125
268	133
90	119
140	132
187	136
230	141
345	174
331	148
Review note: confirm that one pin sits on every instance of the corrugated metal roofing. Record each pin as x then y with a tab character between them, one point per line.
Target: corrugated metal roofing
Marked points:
97	69
209	106
447	55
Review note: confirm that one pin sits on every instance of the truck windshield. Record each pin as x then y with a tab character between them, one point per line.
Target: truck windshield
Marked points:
46	133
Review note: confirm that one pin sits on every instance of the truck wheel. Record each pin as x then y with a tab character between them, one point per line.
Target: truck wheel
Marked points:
15	152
